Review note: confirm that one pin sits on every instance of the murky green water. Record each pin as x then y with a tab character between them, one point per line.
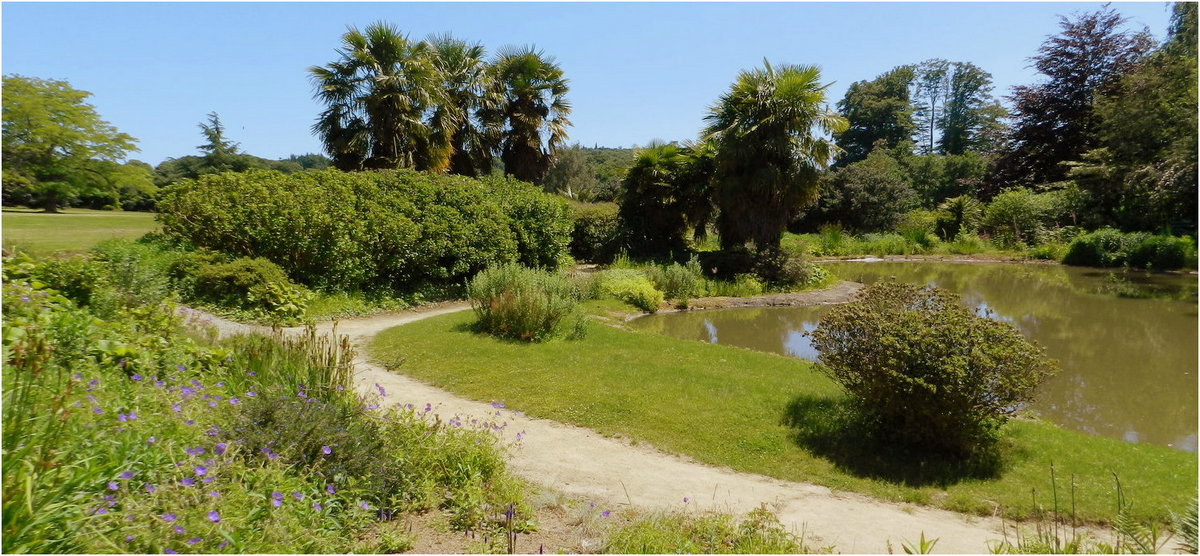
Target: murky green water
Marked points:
1127	342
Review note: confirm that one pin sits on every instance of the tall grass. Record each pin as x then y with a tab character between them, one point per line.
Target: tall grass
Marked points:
127	435
524	304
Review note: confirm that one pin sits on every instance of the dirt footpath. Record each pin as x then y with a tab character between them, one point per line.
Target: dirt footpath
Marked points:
580	463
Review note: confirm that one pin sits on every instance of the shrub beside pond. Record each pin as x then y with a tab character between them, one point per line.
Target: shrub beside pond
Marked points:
524	304
1109	247
923	370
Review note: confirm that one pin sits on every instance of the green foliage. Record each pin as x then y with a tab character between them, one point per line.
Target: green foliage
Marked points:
524	304
572	175
759	533
867	196
937	177
370	230
1108	247
118	431
532	106
1185	525
678	282
924	370
782	270
958	215
251	284
769	151
56	148
630	286
665	196
1016	216
877	110
596	234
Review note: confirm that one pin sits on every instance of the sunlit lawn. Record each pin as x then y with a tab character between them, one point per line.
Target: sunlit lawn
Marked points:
73	230
772	415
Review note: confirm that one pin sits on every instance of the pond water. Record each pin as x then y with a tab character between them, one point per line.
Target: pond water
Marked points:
1127	342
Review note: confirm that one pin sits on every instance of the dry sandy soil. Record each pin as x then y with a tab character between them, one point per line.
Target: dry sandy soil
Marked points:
579	463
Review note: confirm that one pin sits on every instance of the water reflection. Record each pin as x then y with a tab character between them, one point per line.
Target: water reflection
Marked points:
1127	342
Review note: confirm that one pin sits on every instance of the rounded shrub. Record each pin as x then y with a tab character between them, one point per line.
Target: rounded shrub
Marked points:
785	270
1108	247
251	284
595	233
924	370
676	281
1161	253
512	301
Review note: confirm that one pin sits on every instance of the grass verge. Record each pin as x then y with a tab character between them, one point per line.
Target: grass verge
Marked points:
74	230
774	416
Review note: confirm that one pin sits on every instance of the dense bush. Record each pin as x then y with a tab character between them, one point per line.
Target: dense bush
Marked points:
678	282
525	304
783	270
596	235
868	196
630	286
1109	247
364	230
251	284
924	370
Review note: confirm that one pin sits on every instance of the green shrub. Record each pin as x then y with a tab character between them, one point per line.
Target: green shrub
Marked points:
676	281
1161	252
1015	216
630	286
251	284
958	214
525	304
924	370
742	285
365	230
595	235
76	278
783	270
728	263
1108	247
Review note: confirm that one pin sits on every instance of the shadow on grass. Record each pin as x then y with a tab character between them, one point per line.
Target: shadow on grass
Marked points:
830	429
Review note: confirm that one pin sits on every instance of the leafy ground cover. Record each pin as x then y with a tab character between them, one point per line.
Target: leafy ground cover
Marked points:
776	416
73	230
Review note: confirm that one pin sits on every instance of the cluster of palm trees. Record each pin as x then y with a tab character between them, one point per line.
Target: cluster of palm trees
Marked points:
439	105
757	162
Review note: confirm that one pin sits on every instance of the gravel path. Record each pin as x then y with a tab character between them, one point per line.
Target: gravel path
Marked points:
578	462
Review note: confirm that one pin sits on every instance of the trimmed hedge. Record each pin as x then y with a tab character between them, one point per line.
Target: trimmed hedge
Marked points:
354	231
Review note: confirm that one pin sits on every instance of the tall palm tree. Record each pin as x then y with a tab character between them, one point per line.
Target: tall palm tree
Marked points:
377	95
457	123
532	106
770	132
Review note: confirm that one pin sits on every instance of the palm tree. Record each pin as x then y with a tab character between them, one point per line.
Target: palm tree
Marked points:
457	121
531	106
377	96
770	134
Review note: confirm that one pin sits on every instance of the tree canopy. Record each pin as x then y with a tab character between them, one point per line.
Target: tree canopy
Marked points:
55	146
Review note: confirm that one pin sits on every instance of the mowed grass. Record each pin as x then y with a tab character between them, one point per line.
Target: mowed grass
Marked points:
73	231
775	416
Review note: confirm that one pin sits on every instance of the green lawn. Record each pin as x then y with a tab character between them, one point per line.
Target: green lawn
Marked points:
771	415
74	230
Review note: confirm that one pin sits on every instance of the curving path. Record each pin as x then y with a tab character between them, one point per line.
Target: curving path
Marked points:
578	462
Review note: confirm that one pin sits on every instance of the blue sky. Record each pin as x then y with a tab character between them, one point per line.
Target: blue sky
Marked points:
638	71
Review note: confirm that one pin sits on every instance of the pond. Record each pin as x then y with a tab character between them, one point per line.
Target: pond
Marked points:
1126	341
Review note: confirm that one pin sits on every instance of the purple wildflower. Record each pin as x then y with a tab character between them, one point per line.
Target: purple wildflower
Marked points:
179	529
151	440
214	494
685	500
364	505
326	450
220	448
340	388
96	409
190	422
186	391
297	495
176	408
373	406
181	368
128	538
276	498
382	392
170	551
317	506
222	545
168	517
209	479
149	487
250	394
605	513
252	373
233	400
194	540
158	383
214	517
329	489
135	376
201	470
112	485
188	481
497	405
127	475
